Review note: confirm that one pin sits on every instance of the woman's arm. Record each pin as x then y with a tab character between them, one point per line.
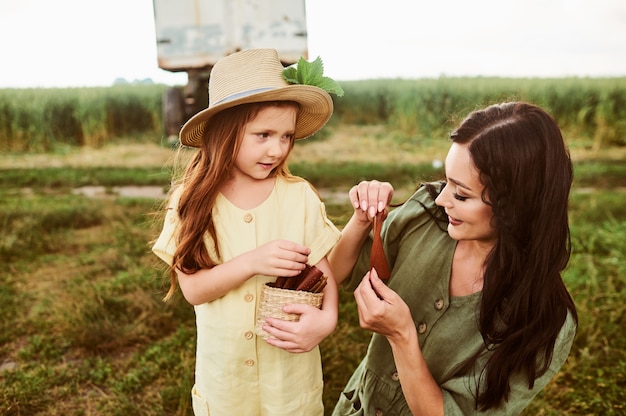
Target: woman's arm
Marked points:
381	310
276	258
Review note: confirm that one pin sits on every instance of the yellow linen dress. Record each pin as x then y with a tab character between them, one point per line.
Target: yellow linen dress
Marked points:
238	373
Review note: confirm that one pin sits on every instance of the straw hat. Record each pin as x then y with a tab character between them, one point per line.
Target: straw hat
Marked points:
253	76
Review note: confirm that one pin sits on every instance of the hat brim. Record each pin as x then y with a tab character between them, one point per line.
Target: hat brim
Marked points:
316	108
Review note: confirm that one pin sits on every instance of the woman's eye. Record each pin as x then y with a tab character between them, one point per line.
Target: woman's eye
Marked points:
459	197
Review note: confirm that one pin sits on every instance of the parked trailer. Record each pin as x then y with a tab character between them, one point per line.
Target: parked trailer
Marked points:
192	35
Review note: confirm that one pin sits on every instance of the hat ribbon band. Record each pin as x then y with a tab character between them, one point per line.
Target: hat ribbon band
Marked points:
242	94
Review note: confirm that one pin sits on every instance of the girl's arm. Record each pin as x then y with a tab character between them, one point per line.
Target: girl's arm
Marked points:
314	324
367	199
345	253
276	258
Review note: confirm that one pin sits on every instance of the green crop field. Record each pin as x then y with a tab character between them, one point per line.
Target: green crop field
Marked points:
50	119
83	330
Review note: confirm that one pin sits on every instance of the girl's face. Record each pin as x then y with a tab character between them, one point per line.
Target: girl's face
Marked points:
267	140
469	217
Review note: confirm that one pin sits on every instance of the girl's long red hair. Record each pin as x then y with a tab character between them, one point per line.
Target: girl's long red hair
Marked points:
202	181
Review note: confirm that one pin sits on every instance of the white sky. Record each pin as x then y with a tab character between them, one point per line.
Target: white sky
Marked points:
60	43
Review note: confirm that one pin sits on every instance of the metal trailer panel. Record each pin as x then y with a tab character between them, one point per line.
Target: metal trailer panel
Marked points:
194	34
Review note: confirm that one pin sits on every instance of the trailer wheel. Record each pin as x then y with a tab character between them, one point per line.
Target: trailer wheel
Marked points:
173	112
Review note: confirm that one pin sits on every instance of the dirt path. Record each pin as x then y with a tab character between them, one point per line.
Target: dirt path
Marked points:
157	192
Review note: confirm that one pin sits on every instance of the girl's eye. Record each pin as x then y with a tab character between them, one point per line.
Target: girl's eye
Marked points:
459	197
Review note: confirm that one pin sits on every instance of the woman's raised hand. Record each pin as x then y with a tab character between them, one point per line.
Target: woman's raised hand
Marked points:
369	198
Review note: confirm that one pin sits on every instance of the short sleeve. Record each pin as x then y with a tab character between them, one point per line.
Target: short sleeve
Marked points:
165	245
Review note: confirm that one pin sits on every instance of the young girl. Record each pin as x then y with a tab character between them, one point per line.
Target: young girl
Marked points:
238	220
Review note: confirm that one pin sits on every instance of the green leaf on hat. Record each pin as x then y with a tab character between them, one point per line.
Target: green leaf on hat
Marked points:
312	73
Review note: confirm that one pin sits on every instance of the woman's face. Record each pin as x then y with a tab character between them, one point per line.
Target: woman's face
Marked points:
469	217
266	142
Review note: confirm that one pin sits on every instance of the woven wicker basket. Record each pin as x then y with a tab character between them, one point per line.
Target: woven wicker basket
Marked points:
272	302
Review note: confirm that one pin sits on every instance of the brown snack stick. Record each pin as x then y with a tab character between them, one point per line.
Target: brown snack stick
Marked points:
293	282
378	260
319	286
280	282
311	276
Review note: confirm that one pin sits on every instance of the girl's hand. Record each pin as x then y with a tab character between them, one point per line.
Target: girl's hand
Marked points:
381	310
302	336
368	198
278	258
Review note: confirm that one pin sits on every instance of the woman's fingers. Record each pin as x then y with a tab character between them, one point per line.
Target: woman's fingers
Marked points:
371	196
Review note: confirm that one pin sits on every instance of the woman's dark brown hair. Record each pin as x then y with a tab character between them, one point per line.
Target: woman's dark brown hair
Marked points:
527	173
202	181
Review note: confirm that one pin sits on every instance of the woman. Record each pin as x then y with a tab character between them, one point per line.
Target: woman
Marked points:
475	318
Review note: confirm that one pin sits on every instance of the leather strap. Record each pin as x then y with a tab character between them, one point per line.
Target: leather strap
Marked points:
378	260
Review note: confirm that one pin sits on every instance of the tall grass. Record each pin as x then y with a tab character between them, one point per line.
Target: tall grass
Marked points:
48	119
40	119
427	107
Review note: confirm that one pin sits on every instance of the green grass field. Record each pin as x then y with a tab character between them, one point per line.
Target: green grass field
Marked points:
83	330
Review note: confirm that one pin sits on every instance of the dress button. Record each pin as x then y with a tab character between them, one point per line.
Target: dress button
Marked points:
172	219
248	335
421	328
395	376
247	218
248	297
249	363
439	304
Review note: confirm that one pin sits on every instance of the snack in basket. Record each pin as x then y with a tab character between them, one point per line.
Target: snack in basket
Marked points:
311	279
305	288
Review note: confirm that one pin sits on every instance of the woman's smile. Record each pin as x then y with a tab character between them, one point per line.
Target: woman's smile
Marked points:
453	221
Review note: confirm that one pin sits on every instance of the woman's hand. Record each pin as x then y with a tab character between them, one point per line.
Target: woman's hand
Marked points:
369	198
381	310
